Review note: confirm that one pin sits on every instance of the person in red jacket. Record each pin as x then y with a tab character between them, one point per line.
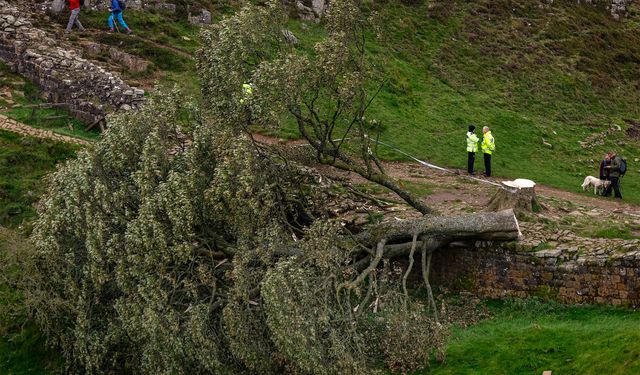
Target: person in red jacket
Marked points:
74	6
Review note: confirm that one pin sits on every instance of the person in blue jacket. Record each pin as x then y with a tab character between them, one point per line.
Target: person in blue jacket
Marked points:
116	12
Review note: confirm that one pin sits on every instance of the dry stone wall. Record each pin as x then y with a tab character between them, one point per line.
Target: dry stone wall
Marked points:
569	277
60	71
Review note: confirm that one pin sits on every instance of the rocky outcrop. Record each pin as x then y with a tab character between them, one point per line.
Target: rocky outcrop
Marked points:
60	71
204	18
618	8
311	10
130	62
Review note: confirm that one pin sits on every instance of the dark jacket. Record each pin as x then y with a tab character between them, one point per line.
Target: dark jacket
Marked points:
616	162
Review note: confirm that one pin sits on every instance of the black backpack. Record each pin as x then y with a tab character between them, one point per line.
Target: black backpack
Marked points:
82	3
123	4
623	167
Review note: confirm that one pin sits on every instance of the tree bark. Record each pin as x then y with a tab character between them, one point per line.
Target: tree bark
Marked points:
522	199
490	226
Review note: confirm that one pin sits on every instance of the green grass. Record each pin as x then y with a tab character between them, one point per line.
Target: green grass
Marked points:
526	72
23	351
613	232
24	162
528	337
22	346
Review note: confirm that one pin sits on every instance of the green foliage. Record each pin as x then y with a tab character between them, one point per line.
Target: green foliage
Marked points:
212	255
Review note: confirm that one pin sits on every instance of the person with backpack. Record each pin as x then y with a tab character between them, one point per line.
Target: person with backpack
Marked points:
472	148
488	147
74	7
117	7
617	169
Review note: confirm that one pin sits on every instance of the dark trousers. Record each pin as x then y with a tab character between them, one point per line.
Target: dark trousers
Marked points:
615	185
487	165
471	159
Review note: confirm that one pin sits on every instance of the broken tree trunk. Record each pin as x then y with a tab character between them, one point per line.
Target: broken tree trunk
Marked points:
439	231
518	195
490	226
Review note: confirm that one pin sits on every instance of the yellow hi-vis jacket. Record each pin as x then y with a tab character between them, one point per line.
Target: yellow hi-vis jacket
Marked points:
488	145
472	142
247	91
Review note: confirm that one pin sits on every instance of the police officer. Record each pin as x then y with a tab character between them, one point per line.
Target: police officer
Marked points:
488	146
472	148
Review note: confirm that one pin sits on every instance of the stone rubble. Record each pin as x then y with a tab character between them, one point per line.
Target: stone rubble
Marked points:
204	18
130	62
60	71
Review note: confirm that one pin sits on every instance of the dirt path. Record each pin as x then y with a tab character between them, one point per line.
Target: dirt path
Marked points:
178	51
16	127
456	186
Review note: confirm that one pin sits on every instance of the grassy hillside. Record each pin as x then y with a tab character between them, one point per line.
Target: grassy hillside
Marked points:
560	73
24	162
22	347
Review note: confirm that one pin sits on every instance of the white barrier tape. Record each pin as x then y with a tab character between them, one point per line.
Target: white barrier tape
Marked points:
433	166
428	165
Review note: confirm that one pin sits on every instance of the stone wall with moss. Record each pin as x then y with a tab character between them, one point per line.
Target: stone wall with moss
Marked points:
569	277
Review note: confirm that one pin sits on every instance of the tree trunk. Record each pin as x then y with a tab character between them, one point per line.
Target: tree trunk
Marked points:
515	197
490	226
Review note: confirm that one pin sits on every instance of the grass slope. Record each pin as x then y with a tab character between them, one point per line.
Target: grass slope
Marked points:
24	162
560	73
22	347
528	337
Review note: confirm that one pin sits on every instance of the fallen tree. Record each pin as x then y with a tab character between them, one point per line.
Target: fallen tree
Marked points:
218	255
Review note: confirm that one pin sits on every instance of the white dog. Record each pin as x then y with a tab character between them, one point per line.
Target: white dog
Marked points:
598	184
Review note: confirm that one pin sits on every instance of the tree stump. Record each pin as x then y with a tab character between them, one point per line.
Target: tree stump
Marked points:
519	195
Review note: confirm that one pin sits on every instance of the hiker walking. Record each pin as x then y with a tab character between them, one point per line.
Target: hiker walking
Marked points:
472	148
117	7
613	173
488	146
74	7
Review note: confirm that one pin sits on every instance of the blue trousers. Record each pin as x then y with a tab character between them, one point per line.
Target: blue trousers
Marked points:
117	15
